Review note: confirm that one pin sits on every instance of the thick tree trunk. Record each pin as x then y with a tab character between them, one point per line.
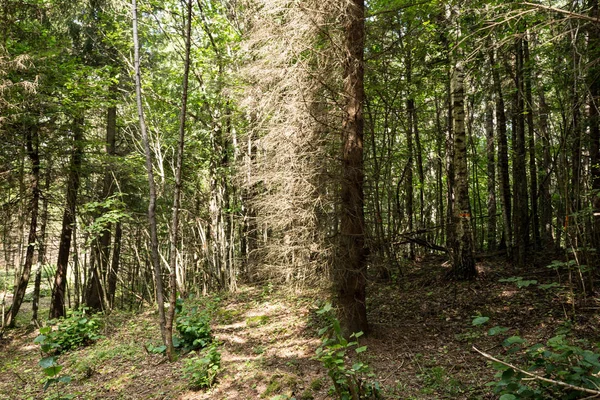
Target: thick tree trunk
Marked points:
154	256
57	308
463	262
350	266
21	288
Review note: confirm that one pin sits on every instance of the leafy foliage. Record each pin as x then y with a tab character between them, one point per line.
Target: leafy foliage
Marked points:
76	330
193	326
202	370
349	382
559	360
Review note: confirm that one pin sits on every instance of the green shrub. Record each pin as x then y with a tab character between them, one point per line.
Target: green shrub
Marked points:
202	370
74	331
559	360
349	382
193	326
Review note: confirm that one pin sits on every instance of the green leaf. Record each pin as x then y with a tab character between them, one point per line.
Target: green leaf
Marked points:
361	349
47	362
326	308
513	340
53	371
508	397
497	330
480	321
39	339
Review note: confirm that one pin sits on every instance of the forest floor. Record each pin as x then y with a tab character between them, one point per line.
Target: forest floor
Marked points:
420	346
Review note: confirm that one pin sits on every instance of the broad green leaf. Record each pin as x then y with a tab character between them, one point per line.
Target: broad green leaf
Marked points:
480	320
47	362
497	330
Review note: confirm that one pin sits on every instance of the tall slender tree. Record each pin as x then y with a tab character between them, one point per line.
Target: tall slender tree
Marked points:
154	256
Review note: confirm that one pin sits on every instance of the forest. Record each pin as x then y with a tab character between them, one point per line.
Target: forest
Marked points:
299	199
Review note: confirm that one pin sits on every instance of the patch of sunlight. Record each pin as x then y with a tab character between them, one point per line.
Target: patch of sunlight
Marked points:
508	293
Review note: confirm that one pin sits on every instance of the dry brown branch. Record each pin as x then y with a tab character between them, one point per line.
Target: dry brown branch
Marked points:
569	14
294	103
537	377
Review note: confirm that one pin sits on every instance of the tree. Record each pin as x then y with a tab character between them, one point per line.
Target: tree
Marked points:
154	256
57	308
177	191
33	146
463	262
350	266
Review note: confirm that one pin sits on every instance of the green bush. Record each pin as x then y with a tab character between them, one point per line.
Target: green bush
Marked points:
202	370
74	331
349	382
559	360
193	326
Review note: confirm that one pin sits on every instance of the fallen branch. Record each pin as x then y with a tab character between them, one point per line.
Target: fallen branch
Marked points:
537	377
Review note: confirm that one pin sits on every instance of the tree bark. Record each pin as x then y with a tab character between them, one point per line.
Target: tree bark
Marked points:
41	260
57	308
505	195
520	209
594	119
177	192
114	265
21	288
533	185
463	262
95	292
350	268
491	176
154	256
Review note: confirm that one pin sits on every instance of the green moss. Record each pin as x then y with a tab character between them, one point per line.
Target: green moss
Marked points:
257	321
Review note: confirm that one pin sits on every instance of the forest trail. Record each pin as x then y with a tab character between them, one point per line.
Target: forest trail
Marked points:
419	348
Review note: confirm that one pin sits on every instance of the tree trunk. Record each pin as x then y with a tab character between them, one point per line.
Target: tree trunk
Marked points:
545	197
114	266
533	185
350	266
505	196
154	257
57	308
520	205
21	288
94	296
463	262
177	192
491	176
594	119
41	261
